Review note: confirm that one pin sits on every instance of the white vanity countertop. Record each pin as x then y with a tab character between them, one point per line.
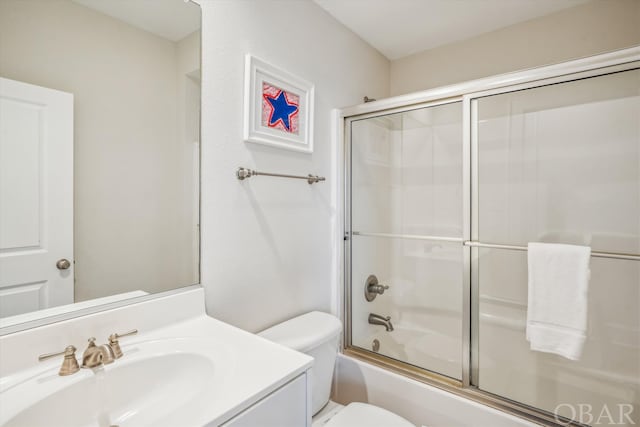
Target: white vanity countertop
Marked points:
245	368
258	367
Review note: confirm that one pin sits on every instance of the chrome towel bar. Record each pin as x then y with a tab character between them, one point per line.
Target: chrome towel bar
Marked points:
244	173
613	255
410	237
474	244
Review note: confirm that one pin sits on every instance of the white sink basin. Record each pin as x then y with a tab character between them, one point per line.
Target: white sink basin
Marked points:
183	369
155	383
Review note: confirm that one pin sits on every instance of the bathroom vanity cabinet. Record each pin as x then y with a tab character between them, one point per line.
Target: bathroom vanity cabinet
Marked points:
287	406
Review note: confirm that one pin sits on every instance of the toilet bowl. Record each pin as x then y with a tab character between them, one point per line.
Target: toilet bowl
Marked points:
317	334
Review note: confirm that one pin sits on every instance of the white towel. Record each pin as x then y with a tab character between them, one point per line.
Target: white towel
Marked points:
557	306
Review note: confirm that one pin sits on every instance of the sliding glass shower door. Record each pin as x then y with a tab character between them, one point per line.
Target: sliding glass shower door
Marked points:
442	201
561	164
406	213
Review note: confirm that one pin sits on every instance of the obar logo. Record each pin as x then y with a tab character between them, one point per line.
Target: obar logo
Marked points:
620	414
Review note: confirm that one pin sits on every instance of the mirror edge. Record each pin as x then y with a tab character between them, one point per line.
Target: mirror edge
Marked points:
19	327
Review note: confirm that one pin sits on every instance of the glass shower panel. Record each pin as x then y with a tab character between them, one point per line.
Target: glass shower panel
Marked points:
406	187
608	372
406	172
424	301
561	164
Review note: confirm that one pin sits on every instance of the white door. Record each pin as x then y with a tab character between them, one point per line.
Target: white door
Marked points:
36	197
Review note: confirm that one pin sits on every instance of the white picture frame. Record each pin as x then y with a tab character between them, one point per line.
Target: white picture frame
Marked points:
270	96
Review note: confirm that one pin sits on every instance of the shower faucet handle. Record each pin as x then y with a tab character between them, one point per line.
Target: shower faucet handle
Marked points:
372	288
378	289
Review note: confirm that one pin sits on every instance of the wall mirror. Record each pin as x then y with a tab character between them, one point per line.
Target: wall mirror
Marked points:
99	152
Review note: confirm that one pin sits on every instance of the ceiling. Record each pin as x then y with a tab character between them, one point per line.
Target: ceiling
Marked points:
169	19
398	28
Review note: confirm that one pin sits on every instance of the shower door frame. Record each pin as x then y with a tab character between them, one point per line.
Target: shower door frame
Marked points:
468	93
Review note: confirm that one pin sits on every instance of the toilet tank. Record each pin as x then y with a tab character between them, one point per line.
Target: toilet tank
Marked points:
316	334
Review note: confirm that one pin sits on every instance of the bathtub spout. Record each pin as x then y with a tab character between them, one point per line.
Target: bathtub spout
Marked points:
376	319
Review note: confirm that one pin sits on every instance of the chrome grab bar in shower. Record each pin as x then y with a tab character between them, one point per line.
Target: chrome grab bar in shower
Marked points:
244	173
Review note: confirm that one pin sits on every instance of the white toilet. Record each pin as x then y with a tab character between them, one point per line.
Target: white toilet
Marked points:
317	334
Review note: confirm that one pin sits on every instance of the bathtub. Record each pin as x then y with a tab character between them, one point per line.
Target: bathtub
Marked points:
422	404
425	348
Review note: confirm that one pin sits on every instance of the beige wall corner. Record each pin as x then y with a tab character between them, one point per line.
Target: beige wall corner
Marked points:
592	28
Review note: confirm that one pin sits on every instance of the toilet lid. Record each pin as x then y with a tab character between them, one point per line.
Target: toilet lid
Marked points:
364	415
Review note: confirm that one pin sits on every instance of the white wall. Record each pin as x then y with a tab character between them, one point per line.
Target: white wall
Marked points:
267	242
127	179
589	29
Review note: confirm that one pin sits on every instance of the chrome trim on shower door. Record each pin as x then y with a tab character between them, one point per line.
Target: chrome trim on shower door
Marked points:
347	234
466	234
410	237
473	308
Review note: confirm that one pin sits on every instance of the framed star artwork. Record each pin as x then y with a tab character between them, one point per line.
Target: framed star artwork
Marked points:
278	107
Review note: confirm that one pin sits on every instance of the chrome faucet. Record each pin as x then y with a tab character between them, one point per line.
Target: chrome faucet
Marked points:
376	319
106	353
108	356
93	355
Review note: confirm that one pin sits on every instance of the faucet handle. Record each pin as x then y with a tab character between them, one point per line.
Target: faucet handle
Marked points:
379	289
115	345
69	363
69	350
372	288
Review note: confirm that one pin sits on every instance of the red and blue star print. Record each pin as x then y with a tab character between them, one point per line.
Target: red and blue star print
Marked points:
279	108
